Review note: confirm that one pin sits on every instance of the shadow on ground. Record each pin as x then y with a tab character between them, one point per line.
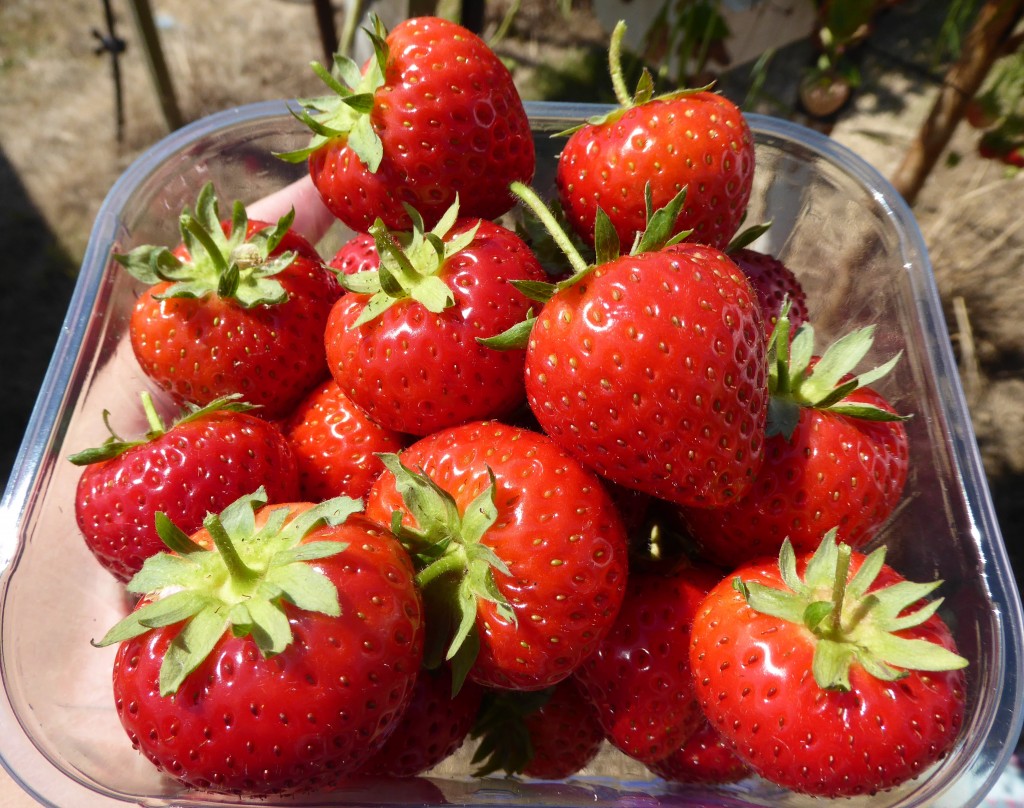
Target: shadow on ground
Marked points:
39	278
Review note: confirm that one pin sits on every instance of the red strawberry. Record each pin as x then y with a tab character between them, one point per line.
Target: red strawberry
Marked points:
836	455
230	311
336	445
204	461
704	759
774	284
434	115
522	552
650	368
638	679
358	254
273	652
828	674
403	343
546	734
641	155
432	728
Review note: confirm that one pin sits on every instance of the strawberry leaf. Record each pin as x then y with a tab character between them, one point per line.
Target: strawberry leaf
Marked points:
848	623
190	647
240	585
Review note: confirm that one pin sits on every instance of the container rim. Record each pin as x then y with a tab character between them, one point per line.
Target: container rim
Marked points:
49	417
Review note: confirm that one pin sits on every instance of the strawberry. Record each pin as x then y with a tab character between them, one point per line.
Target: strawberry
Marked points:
358	254
237	307
521	552
402	344
273	651
433	727
650	148
433	115
775	284
828	674
205	460
703	759
638	679
836	455
336	445
650	367
547	734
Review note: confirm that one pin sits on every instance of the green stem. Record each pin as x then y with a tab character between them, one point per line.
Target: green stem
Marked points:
622	94
450	562
156	425
206	239
529	198
237	569
839	588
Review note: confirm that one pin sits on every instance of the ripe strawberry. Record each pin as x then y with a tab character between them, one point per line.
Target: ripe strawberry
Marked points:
205	460
828	674
547	734
704	759
273	651
522	553
238	307
650	368
650	148
358	254
402	344
432	728
836	455
775	284
433	116
638	679
336	445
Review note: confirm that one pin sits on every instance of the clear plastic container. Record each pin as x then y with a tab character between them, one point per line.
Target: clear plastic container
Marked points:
836	222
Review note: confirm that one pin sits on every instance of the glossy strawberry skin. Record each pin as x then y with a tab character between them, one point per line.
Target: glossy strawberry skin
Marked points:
752	674
302	719
199	349
835	471
652	371
417	372
358	254
565	734
774	283
704	759
700	141
450	120
432	728
557	531
638	679
335	445
196	467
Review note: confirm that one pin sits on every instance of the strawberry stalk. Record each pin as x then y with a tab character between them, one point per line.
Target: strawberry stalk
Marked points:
240	585
456	570
657	235
851	625
116	445
796	380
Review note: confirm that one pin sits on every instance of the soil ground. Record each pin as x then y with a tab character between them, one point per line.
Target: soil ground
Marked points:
60	152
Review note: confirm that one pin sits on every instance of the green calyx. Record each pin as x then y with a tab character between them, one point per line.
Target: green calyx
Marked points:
504	738
795	381
849	624
456	569
344	113
239	585
657	235
643	94
410	266
115	445
234	266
